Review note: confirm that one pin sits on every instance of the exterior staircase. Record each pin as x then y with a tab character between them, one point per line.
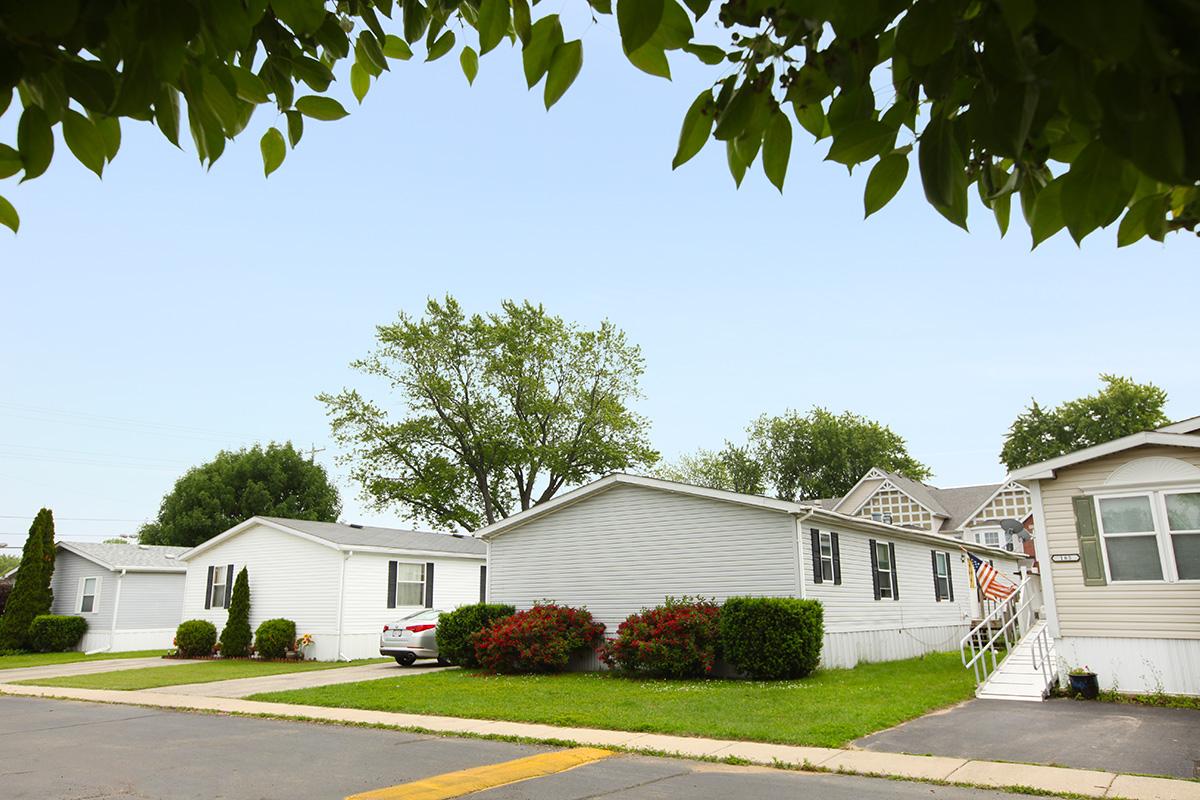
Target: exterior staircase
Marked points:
1010	651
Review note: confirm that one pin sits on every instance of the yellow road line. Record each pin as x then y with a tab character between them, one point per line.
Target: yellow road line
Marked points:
476	779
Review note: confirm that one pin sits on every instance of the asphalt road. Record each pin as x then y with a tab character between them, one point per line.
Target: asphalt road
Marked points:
63	749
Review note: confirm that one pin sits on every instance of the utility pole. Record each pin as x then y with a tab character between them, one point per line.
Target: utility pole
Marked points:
312	453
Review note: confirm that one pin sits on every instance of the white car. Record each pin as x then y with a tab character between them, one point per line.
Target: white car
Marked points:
411	637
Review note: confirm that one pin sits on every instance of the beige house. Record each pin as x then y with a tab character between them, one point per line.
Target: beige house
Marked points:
1117	531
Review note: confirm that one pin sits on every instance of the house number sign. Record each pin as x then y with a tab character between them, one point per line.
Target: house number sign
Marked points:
1064	558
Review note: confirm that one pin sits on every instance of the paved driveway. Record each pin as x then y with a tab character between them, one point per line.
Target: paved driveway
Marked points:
1069	733
87	668
244	687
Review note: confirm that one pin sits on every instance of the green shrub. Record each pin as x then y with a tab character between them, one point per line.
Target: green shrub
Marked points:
455	629
275	637
768	638
196	637
55	633
236	636
679	639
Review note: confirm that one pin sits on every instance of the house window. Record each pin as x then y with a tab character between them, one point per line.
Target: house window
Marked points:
989	537
1130	538
410	584
883	567
217	593
1183	524
826	556
941	573
88	594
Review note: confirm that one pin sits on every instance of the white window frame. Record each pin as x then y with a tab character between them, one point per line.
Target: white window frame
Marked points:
825	543
942	573
421	583
222	572
981	533
880	572
1161	533
82	593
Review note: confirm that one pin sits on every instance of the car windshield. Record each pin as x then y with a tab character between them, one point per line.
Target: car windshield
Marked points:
430	614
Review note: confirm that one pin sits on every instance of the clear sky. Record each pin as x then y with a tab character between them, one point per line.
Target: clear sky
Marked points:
165	312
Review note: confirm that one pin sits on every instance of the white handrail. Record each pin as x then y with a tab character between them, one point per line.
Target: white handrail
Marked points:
1009	614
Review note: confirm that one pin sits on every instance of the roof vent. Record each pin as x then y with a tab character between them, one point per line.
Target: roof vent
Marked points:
143	547
458	536
355	525
169	555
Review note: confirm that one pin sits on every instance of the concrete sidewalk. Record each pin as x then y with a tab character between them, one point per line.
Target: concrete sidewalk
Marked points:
1058	780
244	687
87	668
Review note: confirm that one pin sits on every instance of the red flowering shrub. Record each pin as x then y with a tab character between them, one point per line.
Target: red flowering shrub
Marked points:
538	640
679	639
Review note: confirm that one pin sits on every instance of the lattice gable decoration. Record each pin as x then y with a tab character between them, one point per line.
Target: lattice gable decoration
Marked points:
889	500
1010	501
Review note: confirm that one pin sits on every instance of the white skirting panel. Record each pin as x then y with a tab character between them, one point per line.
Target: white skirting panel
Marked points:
122	640
845	649
1137	666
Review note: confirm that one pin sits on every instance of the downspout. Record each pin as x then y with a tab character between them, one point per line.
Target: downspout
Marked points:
799	550
112	630
341	604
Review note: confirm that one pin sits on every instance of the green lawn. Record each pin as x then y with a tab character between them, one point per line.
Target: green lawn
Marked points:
50	659
828	709
204	672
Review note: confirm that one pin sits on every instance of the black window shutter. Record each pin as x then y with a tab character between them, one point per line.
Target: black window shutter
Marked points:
208	587
483	583
837	559
816	554
937	589
391	588
429	584
949	578
228	584
874	568
895	583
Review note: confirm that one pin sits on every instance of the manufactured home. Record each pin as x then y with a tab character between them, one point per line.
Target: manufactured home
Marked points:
340	583
625	542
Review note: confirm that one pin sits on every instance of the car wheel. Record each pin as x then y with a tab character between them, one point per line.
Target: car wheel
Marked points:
443	662
406	659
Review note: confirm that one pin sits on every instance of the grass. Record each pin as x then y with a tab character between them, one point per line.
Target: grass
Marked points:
204	672
828	709
50	659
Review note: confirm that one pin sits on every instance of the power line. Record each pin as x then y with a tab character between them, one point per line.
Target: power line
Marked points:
72	519
44	414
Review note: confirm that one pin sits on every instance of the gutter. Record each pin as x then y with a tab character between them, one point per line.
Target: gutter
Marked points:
342	603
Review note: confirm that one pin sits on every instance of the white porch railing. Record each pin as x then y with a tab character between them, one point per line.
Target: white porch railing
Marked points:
1005	624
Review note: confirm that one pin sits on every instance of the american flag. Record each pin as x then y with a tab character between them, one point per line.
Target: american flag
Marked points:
989	580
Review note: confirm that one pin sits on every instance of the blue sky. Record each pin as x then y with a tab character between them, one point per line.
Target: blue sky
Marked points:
165	312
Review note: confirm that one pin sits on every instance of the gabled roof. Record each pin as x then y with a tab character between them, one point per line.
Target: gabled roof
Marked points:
964	502
363	538
129	557
997	488
1175	435
803	510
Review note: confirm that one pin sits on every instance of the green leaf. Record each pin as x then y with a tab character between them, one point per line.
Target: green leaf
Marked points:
546	37
250	87
443	45
10	162
708	53
35	141
493	23
1095	190
564	67
522	20
360	82
302	16
697	127
109	129
369	54
1002	209
322	108
737	167
734	117
860	141
637	21
1146	217
651	60
166	114
469	60
777	149
884	182
926	31
698	7
295	126
1047	217
397	48
812	118
273	150
84	141
416	18
8	215
5	99
942	171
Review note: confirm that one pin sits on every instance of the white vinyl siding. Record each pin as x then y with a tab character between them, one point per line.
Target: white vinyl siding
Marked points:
455	583
70	571
149	600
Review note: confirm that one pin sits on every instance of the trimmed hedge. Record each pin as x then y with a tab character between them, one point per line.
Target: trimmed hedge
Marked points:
541	639
768	638
55	633
455	629
274	638
195	638
679	639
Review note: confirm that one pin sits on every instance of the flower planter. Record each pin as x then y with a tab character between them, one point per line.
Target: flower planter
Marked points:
1085	685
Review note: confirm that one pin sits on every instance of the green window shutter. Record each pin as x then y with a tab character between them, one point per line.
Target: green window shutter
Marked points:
1089	541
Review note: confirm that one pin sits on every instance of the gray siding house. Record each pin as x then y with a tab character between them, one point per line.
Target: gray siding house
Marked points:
624	543
131	595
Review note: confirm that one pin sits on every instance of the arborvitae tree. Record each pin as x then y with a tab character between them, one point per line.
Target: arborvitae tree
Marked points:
236	635
31	591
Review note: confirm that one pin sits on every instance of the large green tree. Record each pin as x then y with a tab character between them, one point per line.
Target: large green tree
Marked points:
1122	407
273	481
1087	110
732	468
821	454
499	412
31	594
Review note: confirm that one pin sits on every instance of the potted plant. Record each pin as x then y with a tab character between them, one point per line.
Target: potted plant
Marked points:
302	644
1084	683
